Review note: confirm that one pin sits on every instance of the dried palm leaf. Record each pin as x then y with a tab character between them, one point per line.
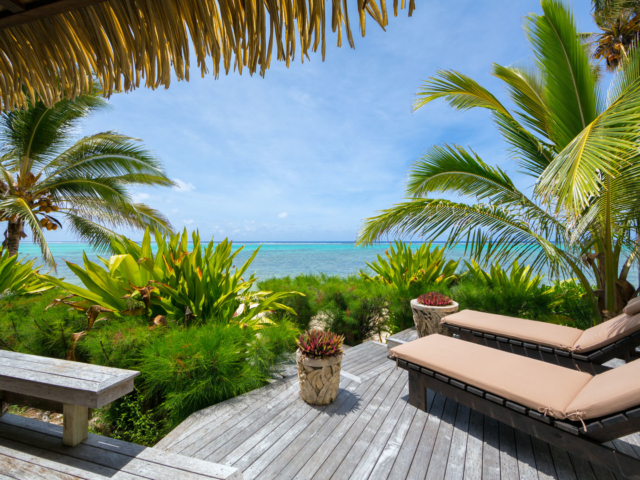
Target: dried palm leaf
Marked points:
124	43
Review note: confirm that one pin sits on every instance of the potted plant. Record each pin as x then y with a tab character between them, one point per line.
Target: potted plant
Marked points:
319	359
428	309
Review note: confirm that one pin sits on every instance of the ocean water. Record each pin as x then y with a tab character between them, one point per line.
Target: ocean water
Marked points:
275	259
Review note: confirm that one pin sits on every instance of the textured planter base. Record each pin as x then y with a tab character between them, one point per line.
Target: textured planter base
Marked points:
319	379
427	319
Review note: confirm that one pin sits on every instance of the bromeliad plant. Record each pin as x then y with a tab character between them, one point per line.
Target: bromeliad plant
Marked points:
192	285
434	299
405	266
318	344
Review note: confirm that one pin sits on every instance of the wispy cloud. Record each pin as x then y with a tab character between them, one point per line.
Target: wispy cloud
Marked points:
183	186
283	215
140	197
188	221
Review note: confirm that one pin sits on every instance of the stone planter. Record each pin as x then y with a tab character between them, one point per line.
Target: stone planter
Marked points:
319	379
427	318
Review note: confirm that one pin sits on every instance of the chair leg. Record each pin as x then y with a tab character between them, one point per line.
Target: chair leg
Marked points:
417	390
76	424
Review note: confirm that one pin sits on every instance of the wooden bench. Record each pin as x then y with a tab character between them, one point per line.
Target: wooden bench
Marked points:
70	388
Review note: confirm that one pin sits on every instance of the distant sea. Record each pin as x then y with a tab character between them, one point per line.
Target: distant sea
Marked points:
275	259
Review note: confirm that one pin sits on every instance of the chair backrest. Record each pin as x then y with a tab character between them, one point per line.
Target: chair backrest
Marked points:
609	393
608	332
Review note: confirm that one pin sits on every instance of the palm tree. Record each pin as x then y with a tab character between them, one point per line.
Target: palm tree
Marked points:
579	146
617	37
47	180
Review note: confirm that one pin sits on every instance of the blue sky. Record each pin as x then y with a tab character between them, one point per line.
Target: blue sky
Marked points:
308	152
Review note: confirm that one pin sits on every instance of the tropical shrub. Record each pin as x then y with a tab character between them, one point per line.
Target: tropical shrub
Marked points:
188	285
519	278
434	299
18	277
405	266
306	305
355	315
319	344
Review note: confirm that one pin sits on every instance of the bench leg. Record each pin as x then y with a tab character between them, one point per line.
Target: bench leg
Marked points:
76	424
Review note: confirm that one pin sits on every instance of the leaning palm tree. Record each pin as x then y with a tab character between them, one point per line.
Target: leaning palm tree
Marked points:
579	146
48	180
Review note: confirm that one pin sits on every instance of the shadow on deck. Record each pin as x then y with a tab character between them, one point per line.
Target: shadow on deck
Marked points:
370	431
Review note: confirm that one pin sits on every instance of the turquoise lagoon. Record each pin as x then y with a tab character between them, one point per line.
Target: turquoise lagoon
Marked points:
275	259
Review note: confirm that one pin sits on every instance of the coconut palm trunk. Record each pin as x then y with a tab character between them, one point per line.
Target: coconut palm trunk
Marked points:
15	233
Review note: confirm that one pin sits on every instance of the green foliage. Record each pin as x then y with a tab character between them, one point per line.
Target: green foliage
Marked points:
305	306
132	420
405	266
519	278
191	368
190	285
17	277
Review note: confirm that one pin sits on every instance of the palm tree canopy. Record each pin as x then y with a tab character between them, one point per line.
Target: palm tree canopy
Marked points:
48	178
578	143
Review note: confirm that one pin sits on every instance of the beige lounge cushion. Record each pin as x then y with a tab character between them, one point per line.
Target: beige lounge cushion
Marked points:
548	334
608	332
633	306
609	393
532	383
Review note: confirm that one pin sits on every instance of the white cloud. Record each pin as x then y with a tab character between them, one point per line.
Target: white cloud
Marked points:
283	215
140	197
183	186
188	221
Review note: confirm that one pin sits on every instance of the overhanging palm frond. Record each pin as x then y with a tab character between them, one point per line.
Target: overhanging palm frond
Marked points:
489	232
97	235
569	85
460	91
526	89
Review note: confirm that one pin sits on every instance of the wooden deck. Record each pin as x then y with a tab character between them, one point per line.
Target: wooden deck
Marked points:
370	431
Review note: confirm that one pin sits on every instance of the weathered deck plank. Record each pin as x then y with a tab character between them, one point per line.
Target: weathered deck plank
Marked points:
371	432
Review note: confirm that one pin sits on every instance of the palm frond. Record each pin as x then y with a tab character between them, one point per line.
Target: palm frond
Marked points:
526	89
564	62
460	91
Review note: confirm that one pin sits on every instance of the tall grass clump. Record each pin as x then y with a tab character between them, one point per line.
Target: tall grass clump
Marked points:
191	368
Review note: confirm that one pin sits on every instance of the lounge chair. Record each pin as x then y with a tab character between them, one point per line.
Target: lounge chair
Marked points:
585	350
573	410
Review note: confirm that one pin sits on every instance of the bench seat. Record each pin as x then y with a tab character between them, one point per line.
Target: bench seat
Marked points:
32	449
70	388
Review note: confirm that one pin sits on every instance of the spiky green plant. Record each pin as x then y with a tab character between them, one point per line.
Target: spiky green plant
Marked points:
518	278
180	280
405	266
18	277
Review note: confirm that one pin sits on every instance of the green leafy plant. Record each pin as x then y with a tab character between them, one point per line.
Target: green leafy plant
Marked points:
434	299
405	266
190	284
356	315
19	277
517	279
319	344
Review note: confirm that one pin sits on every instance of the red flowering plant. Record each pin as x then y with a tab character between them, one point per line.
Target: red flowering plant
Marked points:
433	299
318	344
